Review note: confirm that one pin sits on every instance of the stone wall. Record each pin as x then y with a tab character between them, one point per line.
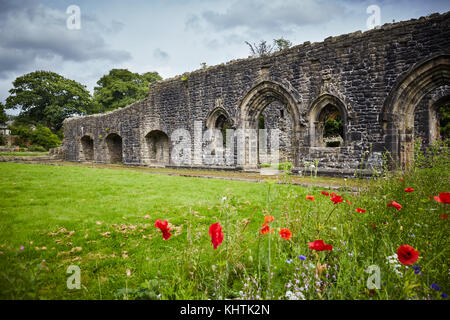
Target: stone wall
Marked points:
367	76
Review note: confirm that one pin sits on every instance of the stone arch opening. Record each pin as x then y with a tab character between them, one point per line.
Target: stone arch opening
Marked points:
328	122
220	120
400	106
114	148
158	147
262	108
87	149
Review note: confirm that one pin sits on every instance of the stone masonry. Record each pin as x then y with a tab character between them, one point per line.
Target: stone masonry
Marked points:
386	84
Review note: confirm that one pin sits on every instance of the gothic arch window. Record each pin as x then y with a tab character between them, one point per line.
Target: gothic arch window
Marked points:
157	143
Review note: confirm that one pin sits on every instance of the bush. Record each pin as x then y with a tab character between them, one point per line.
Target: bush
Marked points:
37	148
44	137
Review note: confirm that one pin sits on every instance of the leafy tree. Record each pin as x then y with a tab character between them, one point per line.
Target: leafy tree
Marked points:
282	44
263	49
3	115
333	127
39	136
48	98
120	88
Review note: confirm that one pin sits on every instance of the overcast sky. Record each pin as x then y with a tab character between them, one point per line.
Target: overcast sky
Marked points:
170	36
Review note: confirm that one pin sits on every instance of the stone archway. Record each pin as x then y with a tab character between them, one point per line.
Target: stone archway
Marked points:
398	111
327	107
157	143
252	106
114	148
87	148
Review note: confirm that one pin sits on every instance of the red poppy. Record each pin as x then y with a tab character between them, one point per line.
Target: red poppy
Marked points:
325	193
360	210
401	180
443	198
269	219
373	225
319	245
163	226
333	194
409	190
310	198
215	231
285	234
349	203
407	255
265	229
444	216
337	199
396	205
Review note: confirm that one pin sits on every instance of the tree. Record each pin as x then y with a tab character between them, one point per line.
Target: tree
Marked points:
263	49
121	87
48	98
3	115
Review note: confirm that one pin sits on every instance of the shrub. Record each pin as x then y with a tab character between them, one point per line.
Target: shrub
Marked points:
37	148
44	137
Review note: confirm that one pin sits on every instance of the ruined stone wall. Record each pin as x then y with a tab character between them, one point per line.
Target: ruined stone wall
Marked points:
357	72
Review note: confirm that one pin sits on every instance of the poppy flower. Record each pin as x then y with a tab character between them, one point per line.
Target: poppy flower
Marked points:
163	226
319	245
401	180
337	199
285	234
310	198
395	205
373	225
443	198
265	229
215	231
269	219
360	210
348	202
325	193
333	194
409	190
443	216
407	255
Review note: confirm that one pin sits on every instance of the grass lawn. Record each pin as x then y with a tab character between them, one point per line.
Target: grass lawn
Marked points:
52	217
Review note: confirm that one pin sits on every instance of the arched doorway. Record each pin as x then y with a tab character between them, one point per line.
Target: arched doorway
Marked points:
217	123
398	112
269	106
114	148
157	147
87	149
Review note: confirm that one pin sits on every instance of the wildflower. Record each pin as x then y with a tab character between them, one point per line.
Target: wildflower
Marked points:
443	216
269	219
325	193
348	202
435	286
265	229
215	231
395	205
407	255
289	261
285	234
22	247
336	199
360	210
409	190
444	295
443	198
163	226
401	180
333	194
319	245
310	198
301	257
416	269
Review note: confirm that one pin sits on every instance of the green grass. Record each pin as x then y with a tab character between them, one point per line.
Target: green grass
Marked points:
103	221
24	154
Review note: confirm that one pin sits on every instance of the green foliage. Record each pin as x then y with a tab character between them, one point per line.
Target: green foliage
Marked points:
333	127
40	136
444	113
120	88
47	98
36	148
3	115
282	44
263	48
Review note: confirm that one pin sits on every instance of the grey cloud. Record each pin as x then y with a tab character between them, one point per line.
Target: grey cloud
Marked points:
274	16
38	32
161	55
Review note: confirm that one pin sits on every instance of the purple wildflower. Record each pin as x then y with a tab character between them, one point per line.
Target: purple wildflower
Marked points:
301	257
289	261
444	295
416	269
435	287
22	247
